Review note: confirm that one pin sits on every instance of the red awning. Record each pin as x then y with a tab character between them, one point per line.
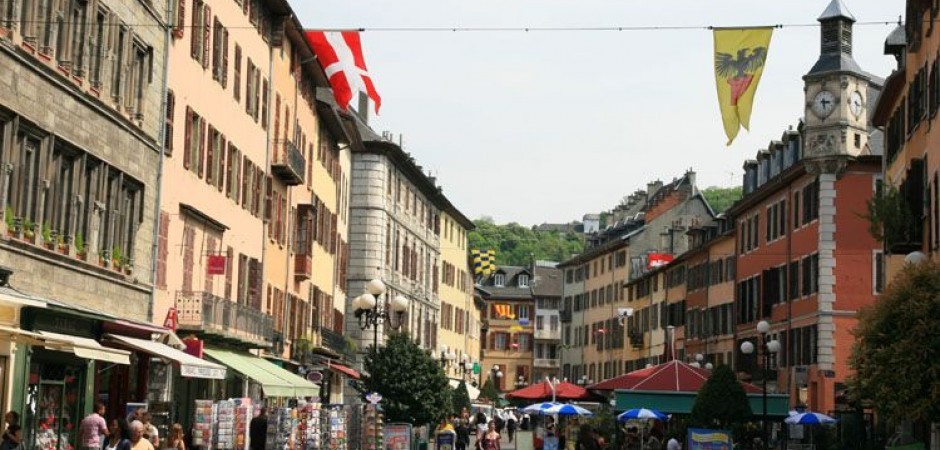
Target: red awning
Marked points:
543	391
673	376
350	372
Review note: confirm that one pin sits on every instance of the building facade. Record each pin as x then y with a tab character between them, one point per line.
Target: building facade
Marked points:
80	137
459	331
508	331
547	286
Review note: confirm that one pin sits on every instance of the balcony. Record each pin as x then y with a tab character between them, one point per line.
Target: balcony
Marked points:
303	267
336	342
547	363
288	163
565	315
547	334
212	315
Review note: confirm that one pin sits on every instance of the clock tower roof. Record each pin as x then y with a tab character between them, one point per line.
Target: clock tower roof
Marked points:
836	10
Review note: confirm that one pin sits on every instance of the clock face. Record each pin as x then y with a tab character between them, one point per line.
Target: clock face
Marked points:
824	103
856	104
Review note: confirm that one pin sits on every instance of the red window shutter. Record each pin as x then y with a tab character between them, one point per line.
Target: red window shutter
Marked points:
222	167
237	84
492	341
246	177
203	138
168	129
180	19
229	256
224	57
188	138
210	252
193	47
162	249
207	16
254	283
268	199
264	101
211	137
188	240
277	124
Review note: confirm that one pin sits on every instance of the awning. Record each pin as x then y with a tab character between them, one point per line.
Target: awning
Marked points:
348	371
21	336
84	348
473	392
190	366
12	296
274	381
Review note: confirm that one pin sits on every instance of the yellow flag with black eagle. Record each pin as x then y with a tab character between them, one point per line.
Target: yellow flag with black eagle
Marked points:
740	55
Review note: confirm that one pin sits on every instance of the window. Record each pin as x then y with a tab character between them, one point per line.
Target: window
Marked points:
117	74
98	48
219	53
522	312
249	87
878	272
499	280
78	25
500	340
202	29
168	122
523	281
237	85
137	78
796	210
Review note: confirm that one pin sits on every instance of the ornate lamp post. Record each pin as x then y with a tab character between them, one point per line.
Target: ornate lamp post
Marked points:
767	349
373	310
497	375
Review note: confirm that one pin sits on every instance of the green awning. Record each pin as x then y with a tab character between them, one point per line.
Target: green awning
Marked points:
247	365
681	402
302	387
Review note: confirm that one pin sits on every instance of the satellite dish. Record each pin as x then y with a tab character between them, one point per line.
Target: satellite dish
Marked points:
314	376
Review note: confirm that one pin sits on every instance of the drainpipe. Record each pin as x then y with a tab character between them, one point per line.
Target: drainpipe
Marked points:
155	246
267	168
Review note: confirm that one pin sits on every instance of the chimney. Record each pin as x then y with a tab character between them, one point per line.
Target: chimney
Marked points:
363	109
690	176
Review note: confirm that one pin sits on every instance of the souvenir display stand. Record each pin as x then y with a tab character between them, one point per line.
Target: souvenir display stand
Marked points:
309	430
336	423
203	429
280	427
372	428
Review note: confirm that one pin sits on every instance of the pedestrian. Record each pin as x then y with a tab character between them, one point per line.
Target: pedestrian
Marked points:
587	439
12	436
550	426
500	423
176	440
463	434
91	428
481	425
150	430
138	442
654	442
258	430
118	435
490	439
511	426
673	444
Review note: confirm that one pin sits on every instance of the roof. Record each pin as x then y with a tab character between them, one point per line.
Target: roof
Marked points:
897	39
835	10
673	376
831	62
510	288
549	282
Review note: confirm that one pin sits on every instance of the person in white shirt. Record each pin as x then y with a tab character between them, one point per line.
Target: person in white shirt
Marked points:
673	444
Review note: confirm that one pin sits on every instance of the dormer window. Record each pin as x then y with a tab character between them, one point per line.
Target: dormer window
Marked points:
523	281
499	280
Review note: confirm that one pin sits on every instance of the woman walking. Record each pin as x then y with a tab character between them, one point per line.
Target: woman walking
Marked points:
490	440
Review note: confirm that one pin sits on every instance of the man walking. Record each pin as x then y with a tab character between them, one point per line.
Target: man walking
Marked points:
258	430
92	428
137	437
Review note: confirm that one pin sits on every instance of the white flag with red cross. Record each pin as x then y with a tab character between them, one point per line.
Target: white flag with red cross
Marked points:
341	56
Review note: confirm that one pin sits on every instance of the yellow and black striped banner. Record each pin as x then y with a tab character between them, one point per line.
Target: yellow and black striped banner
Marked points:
484	262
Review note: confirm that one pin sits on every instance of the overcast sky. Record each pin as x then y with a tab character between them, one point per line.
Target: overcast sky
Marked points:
547	126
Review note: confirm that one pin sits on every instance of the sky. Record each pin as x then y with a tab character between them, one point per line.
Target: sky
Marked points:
546	126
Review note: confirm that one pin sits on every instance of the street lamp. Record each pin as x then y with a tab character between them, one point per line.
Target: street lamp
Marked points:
497	374
372	313
767	349
520	382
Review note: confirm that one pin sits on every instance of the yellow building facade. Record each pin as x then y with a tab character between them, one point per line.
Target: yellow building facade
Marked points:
459	329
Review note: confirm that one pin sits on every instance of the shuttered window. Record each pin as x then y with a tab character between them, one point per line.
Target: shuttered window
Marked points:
162	249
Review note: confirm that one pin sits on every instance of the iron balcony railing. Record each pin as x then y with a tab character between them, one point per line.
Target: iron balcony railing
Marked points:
289	163
548	334
211	314
551	363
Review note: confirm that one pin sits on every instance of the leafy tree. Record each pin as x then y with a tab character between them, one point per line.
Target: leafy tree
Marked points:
721	198
517	245
721	402
896	356
413	386
461	397
489	391
889	217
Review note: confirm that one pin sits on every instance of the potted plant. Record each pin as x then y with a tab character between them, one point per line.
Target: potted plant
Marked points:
48	236
117	257
129	266
80	246
29	231
62	243
10	221
104	257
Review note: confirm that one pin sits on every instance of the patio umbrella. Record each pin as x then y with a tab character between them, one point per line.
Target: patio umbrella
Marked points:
809	418
543	391
642	413
538	408
568	410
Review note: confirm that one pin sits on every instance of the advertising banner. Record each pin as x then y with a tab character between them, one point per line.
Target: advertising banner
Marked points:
397	436
702	439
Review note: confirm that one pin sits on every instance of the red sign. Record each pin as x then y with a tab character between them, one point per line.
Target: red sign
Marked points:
171	319
194	346
658	260
216	265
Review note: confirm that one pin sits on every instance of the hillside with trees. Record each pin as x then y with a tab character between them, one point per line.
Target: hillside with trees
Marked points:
517	245
721	198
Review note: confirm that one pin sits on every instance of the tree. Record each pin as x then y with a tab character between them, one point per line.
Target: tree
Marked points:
461	397
896	356
721	198
516	245
413	386
489	391
721	401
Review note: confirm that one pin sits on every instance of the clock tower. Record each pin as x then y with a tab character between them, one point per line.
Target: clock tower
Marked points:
836	89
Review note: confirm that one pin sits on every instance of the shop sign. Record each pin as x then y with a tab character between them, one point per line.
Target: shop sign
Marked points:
397	436
213	373
172	319
215	265
57	323
314	376
702	439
